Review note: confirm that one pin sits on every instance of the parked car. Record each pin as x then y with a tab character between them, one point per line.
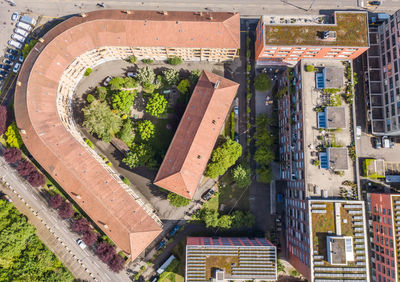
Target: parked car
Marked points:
14	16
131	74
18	37
7	62
391	142
16	67
174	230
377	143
208	194
107	80
21	59
81	243
162	244
5	67
9	56
374	3
21	32
25	26
3	73
236	110
28	20
154	278
12	51
358	132
385	142
15	44
236	137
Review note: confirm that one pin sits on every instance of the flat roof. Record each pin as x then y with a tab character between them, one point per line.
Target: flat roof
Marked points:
351	31
338	158
335	117
332	80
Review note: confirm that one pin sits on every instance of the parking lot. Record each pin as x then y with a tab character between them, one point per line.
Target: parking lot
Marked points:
366	149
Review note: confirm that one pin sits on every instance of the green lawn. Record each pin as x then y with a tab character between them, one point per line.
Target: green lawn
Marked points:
213	203
177	274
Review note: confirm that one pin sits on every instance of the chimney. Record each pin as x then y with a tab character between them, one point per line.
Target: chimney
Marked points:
105	226
128	12
83	15
41	40
216	84
165	13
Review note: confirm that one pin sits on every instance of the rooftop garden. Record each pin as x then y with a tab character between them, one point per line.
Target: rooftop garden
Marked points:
323	224
351	30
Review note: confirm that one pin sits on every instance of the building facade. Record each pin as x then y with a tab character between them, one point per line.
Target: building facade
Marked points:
288	39
230	259
384	230
383	76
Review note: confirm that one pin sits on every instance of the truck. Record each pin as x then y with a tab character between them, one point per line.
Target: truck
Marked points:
28	20
25	26
164	266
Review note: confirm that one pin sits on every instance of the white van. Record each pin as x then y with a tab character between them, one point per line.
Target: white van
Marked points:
27	20
25	26
15	44
358	132
22	32
18	37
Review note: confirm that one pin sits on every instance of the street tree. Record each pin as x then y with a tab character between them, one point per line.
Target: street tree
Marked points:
156	105
117	263
89	237
80	225
3	119
25	168
36	179
105	251
12	155
66	210
12	136
56	201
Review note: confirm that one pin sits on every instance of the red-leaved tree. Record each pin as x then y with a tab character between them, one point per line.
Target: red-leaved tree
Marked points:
12	155
105	251
116	264
56	201
89	237
3	119
81	225
66	210
25	168
36	179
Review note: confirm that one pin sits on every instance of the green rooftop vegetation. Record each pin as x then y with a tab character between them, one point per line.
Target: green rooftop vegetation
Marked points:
351	30
221	262
369	169
323	224
347	227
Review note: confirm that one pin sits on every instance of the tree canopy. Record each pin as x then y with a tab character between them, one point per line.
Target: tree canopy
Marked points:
3	119
99	119
177	200
145	129
140	155
223	157
12	155
126	132
146	75
265	146
194	76
156	105
241	175
123	100
262	82
237	219
171	77
183	86
12	136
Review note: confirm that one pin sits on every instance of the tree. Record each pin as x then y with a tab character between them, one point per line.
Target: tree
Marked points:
177	200
194	76
223	157
145	129
126	132
123	100
264	174
89	237
242	176
156	105
242	219
99	119
90	98
101	93
36	179
122	83
13	138
3	119
175	60
56	201
12	155
28	47
116	264
66	210
310	68
80	225
146	75
183	86
140	155
171	77
88	72
264	156
132	59
105	251
262	82
148	88
25	168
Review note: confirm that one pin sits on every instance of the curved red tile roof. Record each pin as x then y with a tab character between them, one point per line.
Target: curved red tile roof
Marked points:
100	196
195	138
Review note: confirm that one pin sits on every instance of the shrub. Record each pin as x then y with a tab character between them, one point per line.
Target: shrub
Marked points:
126	181
56	201
88	71
105	251
132	59
3	119
147	61
66	210
262	82
310	68
174	60
101	93
25	168
90	98
177	200
36	179
12	155
28	47
183	86
12	136
171	77
90	144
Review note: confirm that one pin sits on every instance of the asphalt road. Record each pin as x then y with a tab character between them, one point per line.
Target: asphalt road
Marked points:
67	239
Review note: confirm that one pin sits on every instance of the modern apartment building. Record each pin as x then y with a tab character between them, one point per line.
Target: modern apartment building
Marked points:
383	76
288	39
230	259
384	231
316	148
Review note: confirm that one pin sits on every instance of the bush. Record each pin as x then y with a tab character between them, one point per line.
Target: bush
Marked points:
12	155
90	98
12	136
25	168
36	179
310	68
132	59
28	47
262	82
88	71
101	93
56	201
146	75
242	176
90	144
183	86
147	61
177	200
174	60
126	181
156	105
66	210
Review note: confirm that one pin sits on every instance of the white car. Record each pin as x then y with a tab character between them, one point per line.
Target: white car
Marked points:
131	74
358	132
21	59
22	32
14	16
16	67
25	26
18	37
107	80
15	44
81	244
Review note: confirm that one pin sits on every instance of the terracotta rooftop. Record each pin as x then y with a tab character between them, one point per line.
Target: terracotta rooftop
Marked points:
195	138
80	175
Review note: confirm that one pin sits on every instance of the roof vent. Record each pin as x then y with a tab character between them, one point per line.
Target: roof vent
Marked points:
199	157
128	12
105	226
165	13
214	122
178	22
83	15
41	40
211	17
216	84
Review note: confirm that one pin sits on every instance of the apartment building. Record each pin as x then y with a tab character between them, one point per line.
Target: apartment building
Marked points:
384	231
230	259
288	39
383	77
316	148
